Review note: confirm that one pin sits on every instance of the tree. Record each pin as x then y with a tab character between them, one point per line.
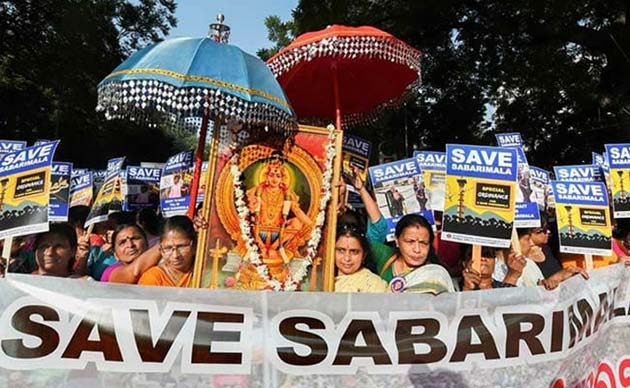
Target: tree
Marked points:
558	72
53	53
279	32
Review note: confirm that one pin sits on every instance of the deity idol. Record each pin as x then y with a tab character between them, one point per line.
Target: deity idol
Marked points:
272	202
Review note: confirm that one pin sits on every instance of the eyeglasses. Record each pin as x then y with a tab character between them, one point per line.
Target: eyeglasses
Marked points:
168	250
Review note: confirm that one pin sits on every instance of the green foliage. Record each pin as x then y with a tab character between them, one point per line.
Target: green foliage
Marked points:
53	54
558	72
281	33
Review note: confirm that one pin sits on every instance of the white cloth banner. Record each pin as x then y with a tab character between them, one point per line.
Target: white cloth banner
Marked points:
62	332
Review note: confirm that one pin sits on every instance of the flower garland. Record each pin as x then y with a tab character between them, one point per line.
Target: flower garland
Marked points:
294	279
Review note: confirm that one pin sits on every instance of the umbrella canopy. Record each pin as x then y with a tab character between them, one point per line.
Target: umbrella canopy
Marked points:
178	75
364	69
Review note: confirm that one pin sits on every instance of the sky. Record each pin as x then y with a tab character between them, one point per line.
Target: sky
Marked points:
245	17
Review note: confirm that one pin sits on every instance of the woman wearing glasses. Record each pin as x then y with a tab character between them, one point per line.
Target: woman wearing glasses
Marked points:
351	249
177	247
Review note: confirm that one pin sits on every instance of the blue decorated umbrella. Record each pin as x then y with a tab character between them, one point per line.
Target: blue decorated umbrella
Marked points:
197	77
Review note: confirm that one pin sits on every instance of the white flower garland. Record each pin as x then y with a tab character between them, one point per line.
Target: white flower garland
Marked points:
244	215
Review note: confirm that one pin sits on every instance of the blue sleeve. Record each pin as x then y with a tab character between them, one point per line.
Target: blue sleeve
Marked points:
376	231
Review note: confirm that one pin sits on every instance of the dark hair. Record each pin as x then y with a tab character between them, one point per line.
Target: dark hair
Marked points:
485	251
121	227
416	220
63	230
77	215
522	232
181	224
148	219
351	230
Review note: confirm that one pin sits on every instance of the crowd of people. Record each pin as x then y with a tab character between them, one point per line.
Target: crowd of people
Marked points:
143	248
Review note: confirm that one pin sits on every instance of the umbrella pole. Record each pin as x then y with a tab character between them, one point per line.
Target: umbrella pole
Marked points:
198	163
337	99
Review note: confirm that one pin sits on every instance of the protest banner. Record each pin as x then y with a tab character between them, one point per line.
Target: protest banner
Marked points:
81	189
8	146
583	217
24	190
175	184
110	197
79	171
539	179
480	194
399	189
60	191
98	177
355	153
92	334
619	162
527	213
579	173
433	166
141	188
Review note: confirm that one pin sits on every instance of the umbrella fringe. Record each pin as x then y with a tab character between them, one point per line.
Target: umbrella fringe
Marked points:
135	99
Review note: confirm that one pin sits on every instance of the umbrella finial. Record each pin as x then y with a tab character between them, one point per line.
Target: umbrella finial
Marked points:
219	32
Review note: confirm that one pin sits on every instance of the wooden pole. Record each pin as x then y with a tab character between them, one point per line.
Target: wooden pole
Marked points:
589	262
329	263
476	258
201	143
216	253
202	236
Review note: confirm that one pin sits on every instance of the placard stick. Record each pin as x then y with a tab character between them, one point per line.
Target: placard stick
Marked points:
589	262
6	253
476	258
516	244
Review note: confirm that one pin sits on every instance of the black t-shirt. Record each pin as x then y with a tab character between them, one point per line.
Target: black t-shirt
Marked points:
550	265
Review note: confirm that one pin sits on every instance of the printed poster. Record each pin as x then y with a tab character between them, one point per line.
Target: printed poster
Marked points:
355	153
583	216
81	189
527	212
79	171
60	191
539	180
24	190
141	188
201	193
579	173
110	197
433	166
399	190
619	162
175	184
98	177
480	194
8	146
601	160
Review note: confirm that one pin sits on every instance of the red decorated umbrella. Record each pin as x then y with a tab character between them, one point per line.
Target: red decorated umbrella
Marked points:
346	74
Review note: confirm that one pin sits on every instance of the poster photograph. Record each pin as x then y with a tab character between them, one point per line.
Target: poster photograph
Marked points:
355	153
175	184
141	187
480	194
25	179
60	191
271	223
539	179
399	189
583	215
433	166
619	163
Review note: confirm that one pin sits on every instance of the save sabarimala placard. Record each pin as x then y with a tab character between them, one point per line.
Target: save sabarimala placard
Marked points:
619	164
480	194
60	191
24	189
583	217
110	196
91	332
433	166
